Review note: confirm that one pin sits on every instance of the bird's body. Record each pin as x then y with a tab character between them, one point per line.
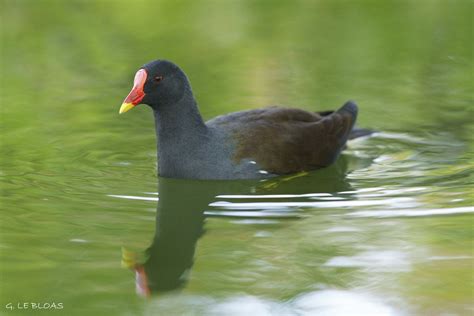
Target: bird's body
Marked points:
249	144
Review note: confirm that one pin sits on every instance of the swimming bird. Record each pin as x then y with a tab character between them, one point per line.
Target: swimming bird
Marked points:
252	144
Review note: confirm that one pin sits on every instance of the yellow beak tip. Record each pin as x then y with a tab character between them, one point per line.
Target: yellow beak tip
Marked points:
126	107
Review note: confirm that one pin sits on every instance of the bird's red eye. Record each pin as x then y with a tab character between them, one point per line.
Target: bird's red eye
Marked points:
158	78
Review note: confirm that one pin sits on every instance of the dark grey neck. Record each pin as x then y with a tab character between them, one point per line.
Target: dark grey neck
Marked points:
179	130
179	119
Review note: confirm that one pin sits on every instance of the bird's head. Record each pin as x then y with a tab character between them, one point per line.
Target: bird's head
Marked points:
158	83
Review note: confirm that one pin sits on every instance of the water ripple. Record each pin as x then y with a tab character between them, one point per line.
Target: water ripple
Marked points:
395	202
131	197
412	213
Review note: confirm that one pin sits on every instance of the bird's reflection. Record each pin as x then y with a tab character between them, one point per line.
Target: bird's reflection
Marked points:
179	224
181	215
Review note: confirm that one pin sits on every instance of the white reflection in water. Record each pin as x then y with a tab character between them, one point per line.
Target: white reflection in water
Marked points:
256	221
272	196
412	213
376	261
341	303
78	240
342	229
393	202
250	214
412	139
263	234
331	198
245	305
131	197
361	190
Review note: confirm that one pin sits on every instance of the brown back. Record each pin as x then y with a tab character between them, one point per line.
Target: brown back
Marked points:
284	140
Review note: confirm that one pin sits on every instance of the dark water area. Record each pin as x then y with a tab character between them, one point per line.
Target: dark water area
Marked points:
86	222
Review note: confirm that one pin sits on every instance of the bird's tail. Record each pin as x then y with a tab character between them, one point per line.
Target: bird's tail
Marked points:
349	112
356	132
351	108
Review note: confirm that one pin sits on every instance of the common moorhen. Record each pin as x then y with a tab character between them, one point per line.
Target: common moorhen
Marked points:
249	144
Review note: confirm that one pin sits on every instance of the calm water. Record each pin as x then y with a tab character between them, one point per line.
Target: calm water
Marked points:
387	230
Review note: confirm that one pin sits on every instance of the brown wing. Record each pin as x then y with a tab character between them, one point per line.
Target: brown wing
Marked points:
285	140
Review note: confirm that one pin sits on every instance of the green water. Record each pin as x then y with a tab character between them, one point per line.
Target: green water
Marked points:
387	230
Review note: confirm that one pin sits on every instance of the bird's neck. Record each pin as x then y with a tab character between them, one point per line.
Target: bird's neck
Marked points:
179	130
178	120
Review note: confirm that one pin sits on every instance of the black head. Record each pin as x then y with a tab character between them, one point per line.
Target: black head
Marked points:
158	83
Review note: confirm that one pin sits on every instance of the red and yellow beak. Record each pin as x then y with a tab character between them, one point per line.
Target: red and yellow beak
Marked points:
136	95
